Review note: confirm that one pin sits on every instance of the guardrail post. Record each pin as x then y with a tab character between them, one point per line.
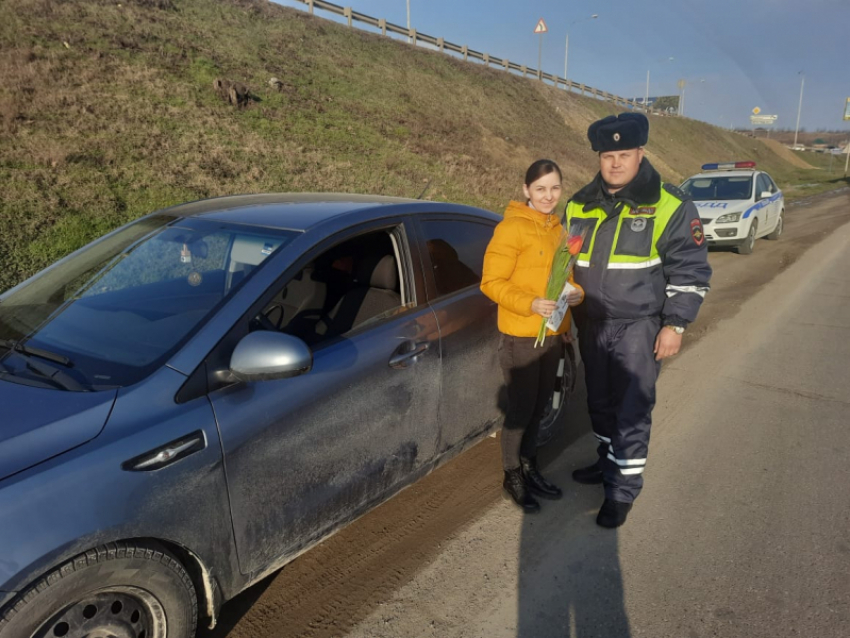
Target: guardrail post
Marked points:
382	23
465	50
347	12
310	6
581	88
486	59
441	44
524	71
412	35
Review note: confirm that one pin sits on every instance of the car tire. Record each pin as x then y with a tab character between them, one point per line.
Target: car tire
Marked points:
747	246
780	225
564	389
136	590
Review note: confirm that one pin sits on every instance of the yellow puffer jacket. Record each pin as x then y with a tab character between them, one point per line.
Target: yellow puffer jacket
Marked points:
517	265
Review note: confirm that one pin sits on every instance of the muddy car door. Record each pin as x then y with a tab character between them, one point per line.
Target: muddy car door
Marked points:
306	454
453	253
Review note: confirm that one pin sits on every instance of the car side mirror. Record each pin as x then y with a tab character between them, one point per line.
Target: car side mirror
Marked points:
765	195
265	355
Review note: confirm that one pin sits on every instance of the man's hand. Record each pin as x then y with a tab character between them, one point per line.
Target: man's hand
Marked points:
575	297
667	343
543	307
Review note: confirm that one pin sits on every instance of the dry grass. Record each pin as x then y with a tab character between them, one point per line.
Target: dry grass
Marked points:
107	112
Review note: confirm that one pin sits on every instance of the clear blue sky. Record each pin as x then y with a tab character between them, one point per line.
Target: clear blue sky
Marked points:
749	53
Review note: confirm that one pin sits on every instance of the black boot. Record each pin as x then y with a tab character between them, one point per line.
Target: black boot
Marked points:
613	513
516	489
535	481
590	475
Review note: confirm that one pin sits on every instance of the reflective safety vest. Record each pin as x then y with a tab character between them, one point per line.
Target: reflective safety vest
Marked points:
635	244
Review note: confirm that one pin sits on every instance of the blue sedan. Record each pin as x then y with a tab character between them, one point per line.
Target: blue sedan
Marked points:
193	400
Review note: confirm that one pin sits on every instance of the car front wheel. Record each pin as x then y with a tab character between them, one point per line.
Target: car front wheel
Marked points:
121	590
746	248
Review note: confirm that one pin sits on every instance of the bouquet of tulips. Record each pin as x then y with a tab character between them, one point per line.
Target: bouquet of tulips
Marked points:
569	246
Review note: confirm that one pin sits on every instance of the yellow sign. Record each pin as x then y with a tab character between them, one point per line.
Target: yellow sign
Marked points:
847	109
756	111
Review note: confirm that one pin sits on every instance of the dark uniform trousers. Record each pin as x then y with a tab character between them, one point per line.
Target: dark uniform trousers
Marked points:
621	371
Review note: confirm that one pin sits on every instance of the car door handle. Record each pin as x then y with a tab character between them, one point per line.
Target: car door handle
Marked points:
167	454
401	359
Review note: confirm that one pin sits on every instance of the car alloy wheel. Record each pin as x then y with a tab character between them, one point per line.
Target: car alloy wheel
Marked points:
115	613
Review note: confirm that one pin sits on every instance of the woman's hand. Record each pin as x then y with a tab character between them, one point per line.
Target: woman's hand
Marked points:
543	307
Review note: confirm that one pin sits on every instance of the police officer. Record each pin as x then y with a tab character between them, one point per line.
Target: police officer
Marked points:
645	272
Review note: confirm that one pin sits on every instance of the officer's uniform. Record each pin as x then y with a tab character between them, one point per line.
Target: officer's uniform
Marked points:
643	265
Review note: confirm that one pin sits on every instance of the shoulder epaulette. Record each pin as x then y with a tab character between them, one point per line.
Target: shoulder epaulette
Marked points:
676	192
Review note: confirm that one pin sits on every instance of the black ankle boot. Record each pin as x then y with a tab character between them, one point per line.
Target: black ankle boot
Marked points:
516	489
535	481
590	475
613	513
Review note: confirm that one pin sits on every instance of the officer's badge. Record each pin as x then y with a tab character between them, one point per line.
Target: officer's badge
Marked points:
616	137
638	225
697	233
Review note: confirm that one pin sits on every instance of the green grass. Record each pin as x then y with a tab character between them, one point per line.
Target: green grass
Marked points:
124	120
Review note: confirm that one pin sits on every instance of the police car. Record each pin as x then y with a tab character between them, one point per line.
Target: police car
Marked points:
737	204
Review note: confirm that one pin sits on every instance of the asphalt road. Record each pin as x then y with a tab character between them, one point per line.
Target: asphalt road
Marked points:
743	529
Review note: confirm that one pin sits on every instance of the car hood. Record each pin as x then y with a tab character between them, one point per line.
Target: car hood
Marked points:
38	423
714	209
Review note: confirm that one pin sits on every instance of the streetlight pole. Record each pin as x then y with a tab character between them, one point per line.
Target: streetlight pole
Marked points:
646	99
408	20
567	46
800	107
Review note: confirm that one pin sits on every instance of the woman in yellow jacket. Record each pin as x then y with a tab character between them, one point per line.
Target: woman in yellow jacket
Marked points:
516	271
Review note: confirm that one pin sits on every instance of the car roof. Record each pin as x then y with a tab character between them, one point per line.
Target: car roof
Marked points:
724	174
302	211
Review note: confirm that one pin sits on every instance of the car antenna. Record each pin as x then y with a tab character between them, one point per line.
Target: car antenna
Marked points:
425	190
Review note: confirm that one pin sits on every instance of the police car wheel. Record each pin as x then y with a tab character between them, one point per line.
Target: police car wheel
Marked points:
746	248
780	224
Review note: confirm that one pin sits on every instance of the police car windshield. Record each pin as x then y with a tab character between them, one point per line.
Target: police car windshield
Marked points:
720	187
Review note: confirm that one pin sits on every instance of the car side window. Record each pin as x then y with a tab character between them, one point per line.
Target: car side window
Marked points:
358	281
771	184
456	249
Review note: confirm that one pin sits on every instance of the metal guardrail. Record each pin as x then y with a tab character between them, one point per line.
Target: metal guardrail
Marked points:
441	45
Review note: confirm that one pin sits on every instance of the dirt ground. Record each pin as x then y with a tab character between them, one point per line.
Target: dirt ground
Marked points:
343	584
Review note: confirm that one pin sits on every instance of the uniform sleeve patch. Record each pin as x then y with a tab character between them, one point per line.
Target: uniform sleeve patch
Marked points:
697	232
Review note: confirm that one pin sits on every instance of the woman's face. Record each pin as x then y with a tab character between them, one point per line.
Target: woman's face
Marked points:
544	193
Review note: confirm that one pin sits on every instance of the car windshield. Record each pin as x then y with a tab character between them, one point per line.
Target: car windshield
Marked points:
719	188
115	311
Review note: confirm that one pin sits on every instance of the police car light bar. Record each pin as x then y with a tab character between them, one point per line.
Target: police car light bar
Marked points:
728	166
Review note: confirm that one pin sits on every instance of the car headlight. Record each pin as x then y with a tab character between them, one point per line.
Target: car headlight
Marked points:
728	218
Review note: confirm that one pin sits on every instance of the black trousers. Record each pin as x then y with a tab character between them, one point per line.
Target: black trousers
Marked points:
530	378
620	373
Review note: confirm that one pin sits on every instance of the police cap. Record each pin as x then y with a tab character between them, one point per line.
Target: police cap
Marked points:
619	133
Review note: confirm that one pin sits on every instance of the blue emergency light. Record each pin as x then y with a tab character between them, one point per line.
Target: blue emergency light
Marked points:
727	166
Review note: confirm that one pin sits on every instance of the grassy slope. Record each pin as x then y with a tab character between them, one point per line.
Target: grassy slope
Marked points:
123	120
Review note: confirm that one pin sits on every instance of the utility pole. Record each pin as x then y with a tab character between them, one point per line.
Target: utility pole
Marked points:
567	45
799	108
408	20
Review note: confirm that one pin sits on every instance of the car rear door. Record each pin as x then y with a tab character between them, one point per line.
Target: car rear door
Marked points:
304	455
453	249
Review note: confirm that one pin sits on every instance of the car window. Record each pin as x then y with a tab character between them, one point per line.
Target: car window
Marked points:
773	187
719	188
115	311
357	282
762	184
456	249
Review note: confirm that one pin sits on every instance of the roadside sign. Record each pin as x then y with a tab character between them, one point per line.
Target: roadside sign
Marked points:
763	120
541	27
847	109
756	111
